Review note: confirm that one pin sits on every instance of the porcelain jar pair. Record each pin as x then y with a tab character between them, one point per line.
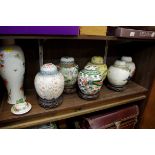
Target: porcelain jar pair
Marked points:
12	69
120	73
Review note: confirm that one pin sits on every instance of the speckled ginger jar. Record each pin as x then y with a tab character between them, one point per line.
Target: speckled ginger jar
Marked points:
49	85
12	69
118	75
90	82
130	64
101	66
69	70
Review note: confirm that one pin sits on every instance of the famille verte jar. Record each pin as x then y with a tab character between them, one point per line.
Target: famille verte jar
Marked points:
130	64
118	75
101	66
49	85
69	70
12	69
90	81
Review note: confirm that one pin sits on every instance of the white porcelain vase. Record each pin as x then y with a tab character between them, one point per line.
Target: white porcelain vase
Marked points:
49	85
118	73
12	69
130	64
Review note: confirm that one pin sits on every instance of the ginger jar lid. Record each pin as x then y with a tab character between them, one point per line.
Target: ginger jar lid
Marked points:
126	58
91	68
97	60
121	64
67	60
49	69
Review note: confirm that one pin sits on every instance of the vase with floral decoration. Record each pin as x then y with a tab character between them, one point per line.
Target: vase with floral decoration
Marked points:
49	85
12	69
90	81
69	70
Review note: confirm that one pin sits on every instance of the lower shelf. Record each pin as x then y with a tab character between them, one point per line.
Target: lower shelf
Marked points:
72	106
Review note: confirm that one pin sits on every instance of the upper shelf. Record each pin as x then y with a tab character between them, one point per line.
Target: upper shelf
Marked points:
84	37
58	37
72	106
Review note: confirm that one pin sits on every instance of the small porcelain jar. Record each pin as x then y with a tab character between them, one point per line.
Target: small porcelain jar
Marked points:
49	85
69	70
118	75
101	66
21	107
130	64
90	81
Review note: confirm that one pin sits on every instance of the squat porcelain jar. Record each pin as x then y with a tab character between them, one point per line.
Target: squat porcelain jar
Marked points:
90	81
49	85
69	70
101	66
118	74
130	64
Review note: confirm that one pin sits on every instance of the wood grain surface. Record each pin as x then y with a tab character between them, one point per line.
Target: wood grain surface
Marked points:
72	106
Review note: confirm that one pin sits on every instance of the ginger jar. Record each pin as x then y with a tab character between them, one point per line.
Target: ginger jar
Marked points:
130	64
69	70
90	81
118	75
49	85
101	66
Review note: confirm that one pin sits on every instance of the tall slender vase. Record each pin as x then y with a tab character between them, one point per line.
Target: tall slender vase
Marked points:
12	69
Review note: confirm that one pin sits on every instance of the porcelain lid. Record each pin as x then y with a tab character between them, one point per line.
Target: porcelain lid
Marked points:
49	68
120	63
97	60
126	58
67	60
90	67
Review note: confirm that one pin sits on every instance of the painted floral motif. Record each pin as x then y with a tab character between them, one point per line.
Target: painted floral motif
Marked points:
12	71
70	75
69	70
90	80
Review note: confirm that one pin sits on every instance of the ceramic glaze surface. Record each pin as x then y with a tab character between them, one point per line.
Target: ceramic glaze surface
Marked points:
49	83
99	62
130	64
118	73
69	70
90	80
12	69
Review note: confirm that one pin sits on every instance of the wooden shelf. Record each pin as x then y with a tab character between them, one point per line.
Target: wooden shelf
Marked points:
85	37
72	106
82	37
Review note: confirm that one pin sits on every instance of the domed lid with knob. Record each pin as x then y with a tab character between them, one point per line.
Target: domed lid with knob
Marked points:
67	60
49	69
120	64
126	58
98	60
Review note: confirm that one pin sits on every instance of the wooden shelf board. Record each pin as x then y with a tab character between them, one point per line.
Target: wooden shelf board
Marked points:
72	106
84	37
80	37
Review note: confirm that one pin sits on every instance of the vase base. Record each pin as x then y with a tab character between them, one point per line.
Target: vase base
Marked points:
70	90
88	97
48	104
115	87
26	109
